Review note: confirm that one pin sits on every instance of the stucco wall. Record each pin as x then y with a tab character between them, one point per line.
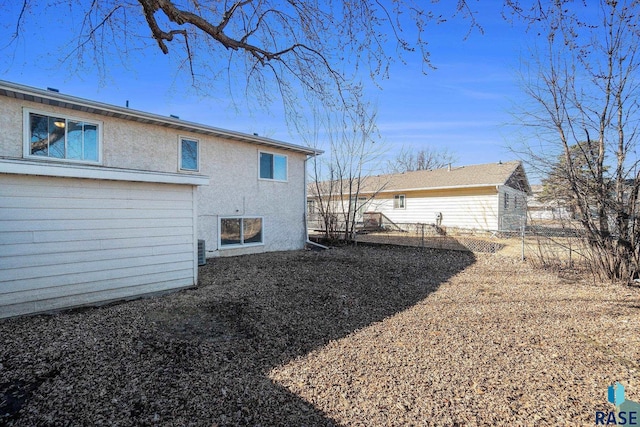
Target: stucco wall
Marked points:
232	166
11	125
235	190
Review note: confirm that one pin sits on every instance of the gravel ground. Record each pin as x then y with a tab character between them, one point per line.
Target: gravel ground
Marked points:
366	336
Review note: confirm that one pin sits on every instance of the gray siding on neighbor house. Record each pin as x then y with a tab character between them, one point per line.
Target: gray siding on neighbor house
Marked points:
71	241
513	214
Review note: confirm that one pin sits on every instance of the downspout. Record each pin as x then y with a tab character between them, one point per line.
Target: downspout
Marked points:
308	242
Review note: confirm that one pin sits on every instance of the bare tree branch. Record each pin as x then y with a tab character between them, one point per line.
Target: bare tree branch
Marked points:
319	47
426	158
585	106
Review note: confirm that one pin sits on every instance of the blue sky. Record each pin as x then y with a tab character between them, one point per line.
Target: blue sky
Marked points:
464	105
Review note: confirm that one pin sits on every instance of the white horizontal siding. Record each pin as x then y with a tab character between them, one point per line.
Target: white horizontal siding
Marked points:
34	306
67	241
91	287
7	250
469	211
88	234
71	265
55	259
86	281
97	224
87	187
101	212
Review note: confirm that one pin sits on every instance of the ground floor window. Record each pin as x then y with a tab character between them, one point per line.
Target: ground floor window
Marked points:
240	231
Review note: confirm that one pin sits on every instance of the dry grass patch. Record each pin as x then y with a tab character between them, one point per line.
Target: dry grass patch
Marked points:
498	344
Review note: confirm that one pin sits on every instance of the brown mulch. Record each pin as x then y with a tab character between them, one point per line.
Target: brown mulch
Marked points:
350	336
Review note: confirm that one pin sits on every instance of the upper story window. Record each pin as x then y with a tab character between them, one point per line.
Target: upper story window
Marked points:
398	201
506	201
61	137
189	154
273	166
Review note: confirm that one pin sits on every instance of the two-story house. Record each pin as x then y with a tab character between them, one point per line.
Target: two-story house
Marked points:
100	202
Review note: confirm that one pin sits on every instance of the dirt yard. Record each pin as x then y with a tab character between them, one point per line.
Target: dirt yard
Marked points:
365	336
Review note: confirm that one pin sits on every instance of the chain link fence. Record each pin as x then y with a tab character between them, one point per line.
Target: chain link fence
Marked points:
433	236
557	243
550	243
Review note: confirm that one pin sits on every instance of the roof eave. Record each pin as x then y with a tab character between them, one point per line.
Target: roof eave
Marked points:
448	187
14	90
405	190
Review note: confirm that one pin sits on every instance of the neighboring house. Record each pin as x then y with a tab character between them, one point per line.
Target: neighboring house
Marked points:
549	210
480	197
99	202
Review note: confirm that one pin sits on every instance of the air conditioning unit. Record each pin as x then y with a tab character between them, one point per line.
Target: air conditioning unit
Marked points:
202	253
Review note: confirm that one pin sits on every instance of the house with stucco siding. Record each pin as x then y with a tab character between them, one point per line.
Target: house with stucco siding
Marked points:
489	197
100	202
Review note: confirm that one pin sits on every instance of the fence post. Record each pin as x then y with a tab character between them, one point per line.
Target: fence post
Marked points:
524	228
422	241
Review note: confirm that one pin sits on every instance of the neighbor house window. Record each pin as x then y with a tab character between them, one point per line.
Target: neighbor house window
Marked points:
240	231
398	201
273	166
189	154
61	137
506	200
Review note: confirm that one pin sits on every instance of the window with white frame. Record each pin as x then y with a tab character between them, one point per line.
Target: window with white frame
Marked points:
273	166
57	136
240	231
399	201
189	154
